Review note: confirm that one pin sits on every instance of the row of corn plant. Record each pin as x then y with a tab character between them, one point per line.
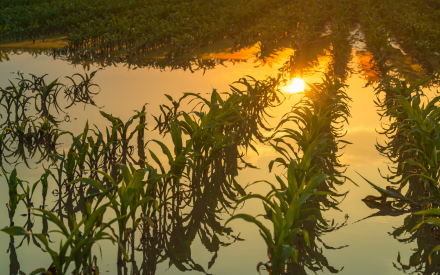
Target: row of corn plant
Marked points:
320	117
396	98
101	28
310	27
205	167
45	18
414	30
295	207
413	133
84	151
377	36
129	193
209	161
240	120
343	18
79	241
273	26
176	32
131	26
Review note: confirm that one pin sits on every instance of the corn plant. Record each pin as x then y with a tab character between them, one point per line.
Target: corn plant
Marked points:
319	117
414	138
217	134
426	229
412	34
312	17
129	193
14	197
377	37
120	135
340	37
413	133
78	245
287	210
317	144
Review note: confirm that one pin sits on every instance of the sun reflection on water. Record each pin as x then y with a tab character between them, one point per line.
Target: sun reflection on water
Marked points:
296	86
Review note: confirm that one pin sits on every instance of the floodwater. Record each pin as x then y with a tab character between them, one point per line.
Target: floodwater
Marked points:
370	250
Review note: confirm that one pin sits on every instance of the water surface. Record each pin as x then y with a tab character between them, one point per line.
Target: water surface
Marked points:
123	90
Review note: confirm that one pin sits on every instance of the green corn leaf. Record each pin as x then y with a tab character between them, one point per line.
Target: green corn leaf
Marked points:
51	217
435	249
16	231
94	183
251	219
290	251
126	173
306	237
314	182
176	135
435	211
40	271
90	222
165	150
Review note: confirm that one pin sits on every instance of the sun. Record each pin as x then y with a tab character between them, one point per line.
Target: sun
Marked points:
297	85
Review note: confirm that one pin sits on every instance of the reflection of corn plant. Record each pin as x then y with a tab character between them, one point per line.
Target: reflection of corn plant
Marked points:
29	204
81	92
421	228
289	213
49	134
3	146
79	241
18	134
15	103
14	197
47	94
25	136
429	226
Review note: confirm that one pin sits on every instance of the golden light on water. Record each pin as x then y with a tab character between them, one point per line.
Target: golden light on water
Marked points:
297	85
